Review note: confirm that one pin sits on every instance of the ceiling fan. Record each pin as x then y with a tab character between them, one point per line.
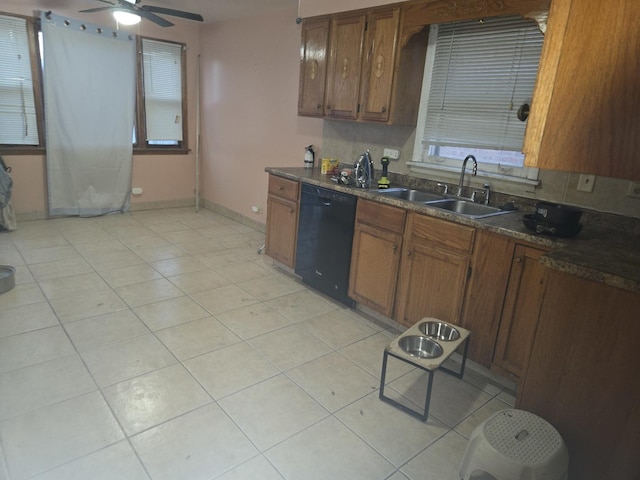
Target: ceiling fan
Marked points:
145	11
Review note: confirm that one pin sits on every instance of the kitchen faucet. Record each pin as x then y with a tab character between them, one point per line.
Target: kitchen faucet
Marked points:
464	167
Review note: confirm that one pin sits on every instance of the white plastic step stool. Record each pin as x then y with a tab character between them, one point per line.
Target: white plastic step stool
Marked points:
515	445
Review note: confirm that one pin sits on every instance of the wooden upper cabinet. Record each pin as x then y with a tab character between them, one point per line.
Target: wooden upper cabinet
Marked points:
584	116
374	67
345	66
379	64
313	66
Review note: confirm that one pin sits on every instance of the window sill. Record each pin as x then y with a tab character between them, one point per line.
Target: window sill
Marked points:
501	183
7	151
161	151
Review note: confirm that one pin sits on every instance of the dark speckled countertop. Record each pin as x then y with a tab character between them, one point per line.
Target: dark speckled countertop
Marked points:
598	253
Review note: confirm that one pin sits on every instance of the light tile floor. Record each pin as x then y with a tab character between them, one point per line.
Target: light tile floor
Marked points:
160	344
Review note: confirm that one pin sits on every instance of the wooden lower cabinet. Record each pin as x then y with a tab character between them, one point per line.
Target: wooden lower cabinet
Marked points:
282	220
434	270
490	265
375	257
582	375
522	303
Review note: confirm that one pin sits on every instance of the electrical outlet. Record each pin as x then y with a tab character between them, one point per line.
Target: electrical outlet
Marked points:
257	209
392	153
634	190
585	183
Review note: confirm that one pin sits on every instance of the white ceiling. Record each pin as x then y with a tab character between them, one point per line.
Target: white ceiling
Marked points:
212	10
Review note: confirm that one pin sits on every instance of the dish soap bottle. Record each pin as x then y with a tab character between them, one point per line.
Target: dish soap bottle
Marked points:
309	157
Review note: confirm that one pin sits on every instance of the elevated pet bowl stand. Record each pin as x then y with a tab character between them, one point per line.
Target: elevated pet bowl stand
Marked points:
429	365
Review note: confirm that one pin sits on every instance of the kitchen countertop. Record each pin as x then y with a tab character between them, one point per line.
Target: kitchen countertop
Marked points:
603	255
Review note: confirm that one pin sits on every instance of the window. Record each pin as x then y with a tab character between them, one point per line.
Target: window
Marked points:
477	76
161	104
162	108
20	107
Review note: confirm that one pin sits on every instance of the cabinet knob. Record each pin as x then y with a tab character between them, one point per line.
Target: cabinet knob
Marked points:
384	109
280	188
395	248
408	253
291	210
518	259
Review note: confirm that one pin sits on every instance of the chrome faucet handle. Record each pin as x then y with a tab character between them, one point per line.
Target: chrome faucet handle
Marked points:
487	193
445	186
473	196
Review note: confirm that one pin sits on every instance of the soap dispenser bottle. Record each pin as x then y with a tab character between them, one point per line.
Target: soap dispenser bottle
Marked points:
309	157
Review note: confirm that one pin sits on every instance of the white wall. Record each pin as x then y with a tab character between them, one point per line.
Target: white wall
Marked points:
250	75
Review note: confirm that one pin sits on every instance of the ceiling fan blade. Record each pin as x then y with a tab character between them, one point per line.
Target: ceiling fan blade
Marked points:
175	13
99	9
154	18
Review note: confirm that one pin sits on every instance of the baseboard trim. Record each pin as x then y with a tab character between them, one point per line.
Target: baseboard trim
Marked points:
238	217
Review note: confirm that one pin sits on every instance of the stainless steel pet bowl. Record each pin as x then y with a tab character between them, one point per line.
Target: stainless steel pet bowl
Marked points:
7	278
440	331
419	346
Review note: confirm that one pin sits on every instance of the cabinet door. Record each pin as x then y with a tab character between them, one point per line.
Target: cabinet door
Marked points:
484	298
379	64
584	115
282	222
522	305
432	284
313	66
374	268
582	376
345	66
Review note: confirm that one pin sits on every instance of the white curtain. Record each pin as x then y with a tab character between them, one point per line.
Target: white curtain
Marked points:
89	93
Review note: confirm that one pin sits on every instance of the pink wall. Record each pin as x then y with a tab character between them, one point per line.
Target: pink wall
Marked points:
312	8
250	75
164	178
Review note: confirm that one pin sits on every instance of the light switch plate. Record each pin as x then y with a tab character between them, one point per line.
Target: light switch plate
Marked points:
585	183
634	190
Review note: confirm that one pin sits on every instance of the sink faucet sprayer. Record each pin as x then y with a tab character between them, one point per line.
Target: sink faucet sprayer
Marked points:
464	167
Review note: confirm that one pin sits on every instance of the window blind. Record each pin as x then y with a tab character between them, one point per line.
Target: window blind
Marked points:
18	121
162	70
483	72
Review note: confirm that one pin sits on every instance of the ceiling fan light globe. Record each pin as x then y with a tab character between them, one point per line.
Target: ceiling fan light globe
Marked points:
126	18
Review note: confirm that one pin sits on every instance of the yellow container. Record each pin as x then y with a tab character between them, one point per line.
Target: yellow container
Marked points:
329	166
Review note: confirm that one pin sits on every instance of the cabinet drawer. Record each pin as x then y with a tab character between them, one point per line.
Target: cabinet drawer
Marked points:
381	215
443	234
283	188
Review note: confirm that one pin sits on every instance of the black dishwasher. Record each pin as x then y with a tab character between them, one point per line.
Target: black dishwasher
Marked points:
325	234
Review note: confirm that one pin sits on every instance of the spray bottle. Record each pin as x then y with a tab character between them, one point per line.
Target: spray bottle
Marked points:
309	157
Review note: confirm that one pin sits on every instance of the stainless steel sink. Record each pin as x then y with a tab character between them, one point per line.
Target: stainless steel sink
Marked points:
468	208
411	195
